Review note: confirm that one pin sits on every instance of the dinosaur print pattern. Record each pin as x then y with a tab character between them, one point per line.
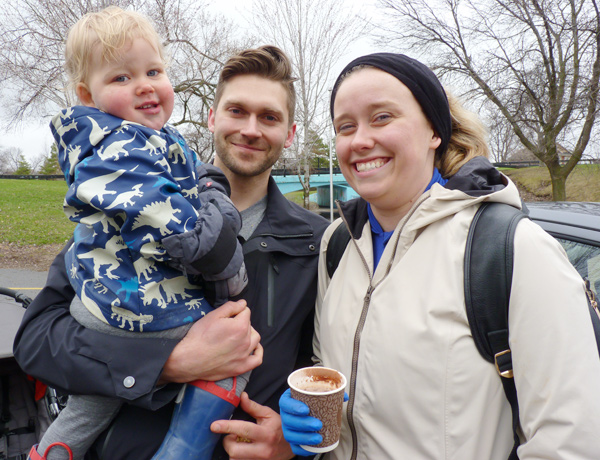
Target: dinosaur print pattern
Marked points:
129	187
158	214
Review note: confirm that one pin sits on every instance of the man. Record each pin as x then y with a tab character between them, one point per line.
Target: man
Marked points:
252	121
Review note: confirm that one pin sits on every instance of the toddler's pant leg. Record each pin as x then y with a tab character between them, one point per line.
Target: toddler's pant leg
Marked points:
78	425
242	381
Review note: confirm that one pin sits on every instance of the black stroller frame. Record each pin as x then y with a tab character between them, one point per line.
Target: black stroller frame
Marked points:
23	420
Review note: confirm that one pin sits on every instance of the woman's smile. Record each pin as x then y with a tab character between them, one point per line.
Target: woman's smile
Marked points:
370	165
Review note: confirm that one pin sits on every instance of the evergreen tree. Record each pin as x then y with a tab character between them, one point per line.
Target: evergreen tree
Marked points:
24	167
50	166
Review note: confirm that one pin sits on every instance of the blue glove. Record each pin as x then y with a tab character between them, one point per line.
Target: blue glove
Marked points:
298	427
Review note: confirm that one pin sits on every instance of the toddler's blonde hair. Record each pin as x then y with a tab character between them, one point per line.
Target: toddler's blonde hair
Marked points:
106	32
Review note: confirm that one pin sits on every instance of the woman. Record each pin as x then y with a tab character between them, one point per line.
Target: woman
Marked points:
393	318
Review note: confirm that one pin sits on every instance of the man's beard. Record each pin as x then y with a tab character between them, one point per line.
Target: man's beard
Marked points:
245	169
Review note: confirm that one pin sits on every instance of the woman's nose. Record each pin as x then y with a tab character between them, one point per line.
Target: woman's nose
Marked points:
362	139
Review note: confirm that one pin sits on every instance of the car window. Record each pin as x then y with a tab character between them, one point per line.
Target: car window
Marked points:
586	259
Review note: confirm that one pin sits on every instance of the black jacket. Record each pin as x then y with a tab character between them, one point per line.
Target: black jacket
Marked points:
281	258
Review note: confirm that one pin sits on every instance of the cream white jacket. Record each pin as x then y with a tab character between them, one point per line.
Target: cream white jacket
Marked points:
418	387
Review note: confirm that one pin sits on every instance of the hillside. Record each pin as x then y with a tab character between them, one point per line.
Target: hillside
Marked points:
583	184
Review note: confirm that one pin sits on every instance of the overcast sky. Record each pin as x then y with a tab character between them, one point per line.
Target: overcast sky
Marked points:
34	138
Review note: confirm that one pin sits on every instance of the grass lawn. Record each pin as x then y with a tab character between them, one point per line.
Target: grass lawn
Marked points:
31	212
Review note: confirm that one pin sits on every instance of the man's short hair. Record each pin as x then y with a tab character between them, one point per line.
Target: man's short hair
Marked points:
105	32
267	61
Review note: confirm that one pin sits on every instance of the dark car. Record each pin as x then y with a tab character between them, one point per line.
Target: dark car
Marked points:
576	225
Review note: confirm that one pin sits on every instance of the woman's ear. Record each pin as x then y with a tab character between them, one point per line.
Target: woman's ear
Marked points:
435	141
84	94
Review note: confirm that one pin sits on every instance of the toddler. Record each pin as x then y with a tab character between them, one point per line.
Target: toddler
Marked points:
156	230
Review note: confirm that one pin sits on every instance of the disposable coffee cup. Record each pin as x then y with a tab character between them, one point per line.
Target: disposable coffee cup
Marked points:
322	390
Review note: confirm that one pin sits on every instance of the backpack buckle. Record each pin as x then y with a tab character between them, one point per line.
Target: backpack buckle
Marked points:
503	363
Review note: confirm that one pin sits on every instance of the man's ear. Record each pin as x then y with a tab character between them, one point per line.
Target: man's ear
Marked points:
84	94
211	120
290	136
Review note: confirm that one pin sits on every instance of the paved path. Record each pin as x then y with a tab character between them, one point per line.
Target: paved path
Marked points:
25	281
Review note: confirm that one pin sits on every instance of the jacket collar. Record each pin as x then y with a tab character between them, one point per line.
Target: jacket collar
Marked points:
282	217
477	177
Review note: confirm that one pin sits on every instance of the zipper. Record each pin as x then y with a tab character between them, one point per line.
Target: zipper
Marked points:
356	344
273	270
363	318
274	235
355	351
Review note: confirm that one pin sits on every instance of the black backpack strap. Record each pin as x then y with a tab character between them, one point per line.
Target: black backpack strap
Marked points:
336	247
488	277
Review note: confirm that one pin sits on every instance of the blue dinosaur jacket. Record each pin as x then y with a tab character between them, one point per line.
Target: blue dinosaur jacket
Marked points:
130	186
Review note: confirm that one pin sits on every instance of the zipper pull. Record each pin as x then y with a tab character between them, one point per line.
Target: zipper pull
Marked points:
368	294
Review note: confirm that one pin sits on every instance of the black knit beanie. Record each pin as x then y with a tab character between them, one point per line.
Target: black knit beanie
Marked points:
420	80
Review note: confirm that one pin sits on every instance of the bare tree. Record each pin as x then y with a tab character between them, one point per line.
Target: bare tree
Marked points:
11	159
199	44
315	34
537	61
37	162
503	141
32	36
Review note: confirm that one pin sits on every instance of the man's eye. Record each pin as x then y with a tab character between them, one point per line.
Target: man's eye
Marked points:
271	118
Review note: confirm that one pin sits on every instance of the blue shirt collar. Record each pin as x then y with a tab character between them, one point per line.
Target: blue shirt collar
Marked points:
381	238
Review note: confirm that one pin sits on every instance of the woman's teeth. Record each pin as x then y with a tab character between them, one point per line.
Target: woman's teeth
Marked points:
369	165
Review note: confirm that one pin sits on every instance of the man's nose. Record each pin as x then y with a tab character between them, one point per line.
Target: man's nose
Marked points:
251	128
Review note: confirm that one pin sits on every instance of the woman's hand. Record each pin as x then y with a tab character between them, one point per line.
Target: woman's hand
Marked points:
298	427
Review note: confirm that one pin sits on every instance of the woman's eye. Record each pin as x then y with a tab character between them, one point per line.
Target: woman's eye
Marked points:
382	117
344	127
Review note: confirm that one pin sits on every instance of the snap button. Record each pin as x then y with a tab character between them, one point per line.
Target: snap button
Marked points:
311	247
263	244
128	382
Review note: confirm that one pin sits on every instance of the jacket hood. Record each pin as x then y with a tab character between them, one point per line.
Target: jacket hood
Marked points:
79	130
478	177
475	182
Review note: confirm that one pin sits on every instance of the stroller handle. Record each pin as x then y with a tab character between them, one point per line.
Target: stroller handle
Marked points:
21	298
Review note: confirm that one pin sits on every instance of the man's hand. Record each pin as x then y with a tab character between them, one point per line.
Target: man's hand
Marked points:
254	441
220	345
